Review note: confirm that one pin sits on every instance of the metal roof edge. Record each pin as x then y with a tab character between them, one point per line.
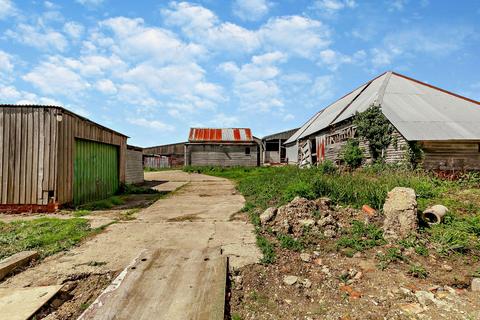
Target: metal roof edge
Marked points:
63	109
436	88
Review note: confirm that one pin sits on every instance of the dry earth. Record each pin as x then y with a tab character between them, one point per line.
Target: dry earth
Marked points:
198	216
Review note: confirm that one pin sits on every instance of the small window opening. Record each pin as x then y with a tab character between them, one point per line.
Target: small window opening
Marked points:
247	150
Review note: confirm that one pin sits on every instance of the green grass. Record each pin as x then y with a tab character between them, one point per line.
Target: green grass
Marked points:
47	235
361	237
81	213
264	187
103	204
288	242
417	271
392	255
267	249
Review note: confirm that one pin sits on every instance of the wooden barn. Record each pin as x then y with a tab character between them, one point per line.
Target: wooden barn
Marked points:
444	125
226	147
50	156
165	156
273	149
134	165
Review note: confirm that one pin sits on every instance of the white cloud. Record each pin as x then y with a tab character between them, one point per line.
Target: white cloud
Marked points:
288	117
39	37
151	124
73	29
223	120
53	77
251	10
9	94
203	26
396	5
322	88
295	35
333	59
333	6
6	64
255	83
7	9
106	86
132	39
90	3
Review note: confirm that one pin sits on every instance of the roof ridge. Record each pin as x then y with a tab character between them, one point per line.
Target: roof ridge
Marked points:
381	92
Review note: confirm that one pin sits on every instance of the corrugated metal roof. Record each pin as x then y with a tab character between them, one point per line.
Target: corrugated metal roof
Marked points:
418	110
220	135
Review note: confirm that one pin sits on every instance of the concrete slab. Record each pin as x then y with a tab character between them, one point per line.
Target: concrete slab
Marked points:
22	303
170	186
166	284
15	261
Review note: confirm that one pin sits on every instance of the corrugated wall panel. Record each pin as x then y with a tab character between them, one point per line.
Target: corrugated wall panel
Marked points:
96	174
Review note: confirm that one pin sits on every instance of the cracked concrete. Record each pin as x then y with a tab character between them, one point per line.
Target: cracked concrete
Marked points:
211	200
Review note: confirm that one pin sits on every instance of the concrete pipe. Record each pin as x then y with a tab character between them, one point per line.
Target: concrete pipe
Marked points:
434	214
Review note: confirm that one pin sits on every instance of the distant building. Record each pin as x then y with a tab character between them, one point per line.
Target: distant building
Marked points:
226	147
445	125
50	156
273	150
164	156
134	169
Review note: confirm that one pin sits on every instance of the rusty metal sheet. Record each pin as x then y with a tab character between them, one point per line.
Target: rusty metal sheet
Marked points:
220	135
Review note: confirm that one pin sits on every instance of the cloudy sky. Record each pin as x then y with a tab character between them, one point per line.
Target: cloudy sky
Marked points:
152	69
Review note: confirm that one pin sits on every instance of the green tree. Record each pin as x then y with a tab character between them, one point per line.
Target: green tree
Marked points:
373	126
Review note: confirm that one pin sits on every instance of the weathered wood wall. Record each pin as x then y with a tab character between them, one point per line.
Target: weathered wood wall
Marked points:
221	155
71	127
451	155
292	153
28	145
134	166
175	153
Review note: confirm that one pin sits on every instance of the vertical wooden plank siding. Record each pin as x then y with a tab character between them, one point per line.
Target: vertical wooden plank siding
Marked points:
73	128
22	155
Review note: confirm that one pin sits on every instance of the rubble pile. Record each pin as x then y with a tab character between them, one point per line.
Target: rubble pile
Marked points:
300	215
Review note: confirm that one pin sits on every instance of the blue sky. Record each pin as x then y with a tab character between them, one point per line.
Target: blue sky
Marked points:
152	69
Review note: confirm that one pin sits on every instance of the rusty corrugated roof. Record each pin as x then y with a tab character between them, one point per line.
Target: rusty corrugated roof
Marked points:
220	135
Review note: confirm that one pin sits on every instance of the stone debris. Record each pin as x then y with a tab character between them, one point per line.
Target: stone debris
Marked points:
305	257
290	280
411	308
426	298
400	210
302	214
307	283
268	215
476	284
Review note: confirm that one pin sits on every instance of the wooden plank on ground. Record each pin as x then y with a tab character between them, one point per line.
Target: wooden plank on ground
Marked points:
166	284
11	263
22	303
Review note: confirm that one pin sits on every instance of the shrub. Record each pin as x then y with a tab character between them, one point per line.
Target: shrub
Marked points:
352	154
418	271
327	167
373	126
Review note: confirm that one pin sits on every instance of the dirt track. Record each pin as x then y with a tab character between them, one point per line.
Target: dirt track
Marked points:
198	216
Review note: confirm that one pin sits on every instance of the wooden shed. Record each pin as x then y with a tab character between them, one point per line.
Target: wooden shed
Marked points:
225	147
174	154
445	125
273	150
134	166
50	156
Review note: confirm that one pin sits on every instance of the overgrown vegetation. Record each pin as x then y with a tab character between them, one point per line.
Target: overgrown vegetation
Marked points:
103	204
360	237
352	154
267	249
288	242
275	186
373	126
47	235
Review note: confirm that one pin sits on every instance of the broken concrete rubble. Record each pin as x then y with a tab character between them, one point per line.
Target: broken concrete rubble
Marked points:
268	215
400	211
302	214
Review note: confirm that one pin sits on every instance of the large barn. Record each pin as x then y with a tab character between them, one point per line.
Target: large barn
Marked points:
50	156
445	125
226	147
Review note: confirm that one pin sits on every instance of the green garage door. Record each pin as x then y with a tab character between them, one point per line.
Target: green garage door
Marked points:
95	171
